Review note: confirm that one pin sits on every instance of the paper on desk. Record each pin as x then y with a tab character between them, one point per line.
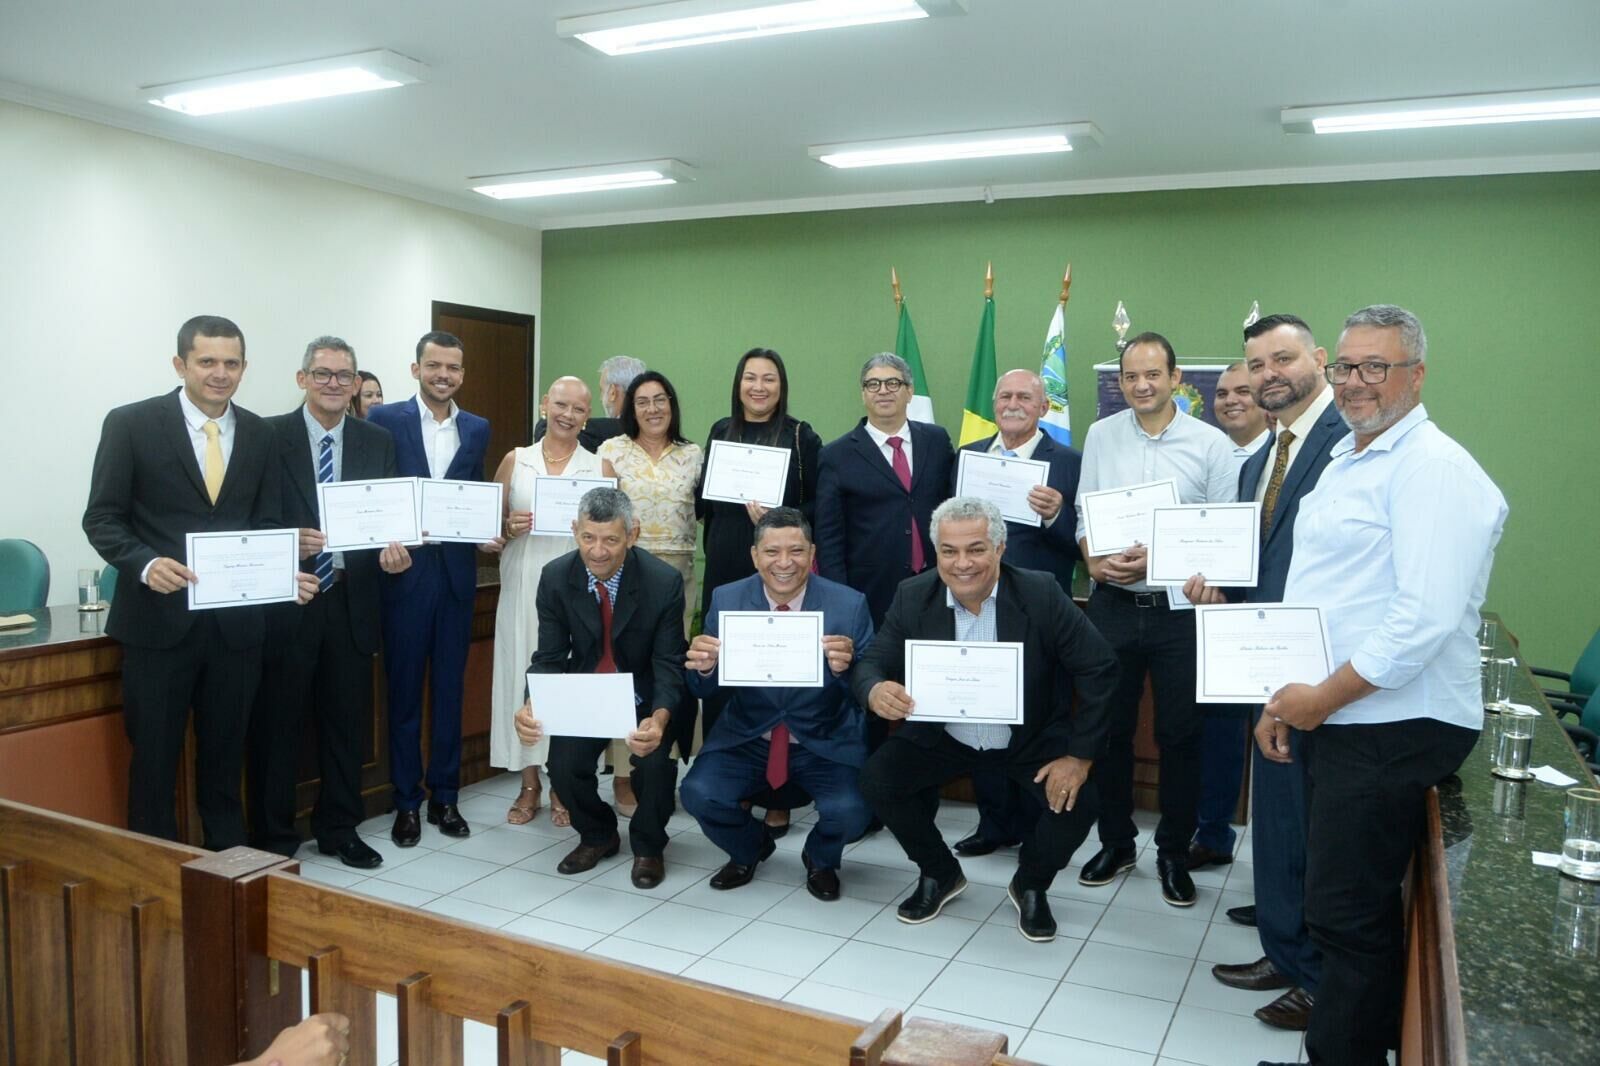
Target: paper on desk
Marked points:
8	621
1546	858
1520	707
1551	776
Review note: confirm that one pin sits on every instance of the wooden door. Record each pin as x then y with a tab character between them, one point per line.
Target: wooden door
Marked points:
498	350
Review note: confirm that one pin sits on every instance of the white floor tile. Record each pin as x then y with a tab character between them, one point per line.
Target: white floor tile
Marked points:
1241	877
440	871
764	946
840	917
943	937
749	901
405	895
601	909
483	811
1065	1051
1230	943
783	867
1074	918
1121	1019
1204	990
1143	973
337	876
619	876
1214	1038
546	861
480	1044
1014	1034
742	978
567	936
1006	996
499	845
651	956
884	884
518	891
879	849
684	929
387	1021
430	839
995	868
692	848
1002	947
977	902
506	785
898	975
862	1006
1149	931
468	911
1144	894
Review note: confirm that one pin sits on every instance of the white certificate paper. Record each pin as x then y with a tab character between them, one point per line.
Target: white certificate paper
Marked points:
1244	652
1003	480
770	648
1117	519
951	681
737	473
1220	540
459	511
584	705
369	514
555	502
243	569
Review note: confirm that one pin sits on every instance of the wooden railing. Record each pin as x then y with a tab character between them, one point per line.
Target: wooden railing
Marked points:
115	948
1432	1031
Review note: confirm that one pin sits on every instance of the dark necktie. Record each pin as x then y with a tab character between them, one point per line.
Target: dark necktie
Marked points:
606	665
902	470
778	751
323	561
1280	467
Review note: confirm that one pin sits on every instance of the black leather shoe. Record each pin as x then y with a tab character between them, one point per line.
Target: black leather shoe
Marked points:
1245	915
1177	887
1106	865
586	857
977	844
407	829
1292	1010
737	874
1258	976
929	898
355	852
648	873
1201	857
1034	919
823	884
448	819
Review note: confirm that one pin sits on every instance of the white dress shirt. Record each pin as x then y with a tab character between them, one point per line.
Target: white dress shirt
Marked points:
195	419
1300	427
1395	544
1241	452
440	439
973	628
1024	451
881	439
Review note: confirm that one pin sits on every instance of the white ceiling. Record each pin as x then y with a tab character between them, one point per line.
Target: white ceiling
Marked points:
1186	92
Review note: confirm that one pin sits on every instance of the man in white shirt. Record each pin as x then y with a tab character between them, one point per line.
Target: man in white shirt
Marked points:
1396	545
1241	418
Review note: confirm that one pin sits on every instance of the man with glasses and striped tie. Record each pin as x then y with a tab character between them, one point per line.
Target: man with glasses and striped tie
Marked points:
318	657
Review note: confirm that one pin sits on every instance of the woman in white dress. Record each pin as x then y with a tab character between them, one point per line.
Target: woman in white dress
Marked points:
516	625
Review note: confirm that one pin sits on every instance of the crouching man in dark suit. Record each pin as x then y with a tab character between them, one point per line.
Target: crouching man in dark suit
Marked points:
973	596
612	608
768	736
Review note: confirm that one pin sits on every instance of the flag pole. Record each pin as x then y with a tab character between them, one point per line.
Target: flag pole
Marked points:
1066	284
988	282
894	283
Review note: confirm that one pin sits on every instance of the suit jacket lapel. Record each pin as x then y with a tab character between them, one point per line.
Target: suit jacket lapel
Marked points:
412	431
178	436
919	447
628	594
297	459
586	609
1010	623
872	457
1302	463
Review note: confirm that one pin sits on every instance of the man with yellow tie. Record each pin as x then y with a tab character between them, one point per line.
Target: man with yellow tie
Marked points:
189	461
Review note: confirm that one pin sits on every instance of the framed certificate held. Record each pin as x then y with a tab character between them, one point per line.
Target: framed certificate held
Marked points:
1003	480
770	648
953	681
1220	540
1114	520
369	514
460	511
243	569
1244	652
741	473
555	502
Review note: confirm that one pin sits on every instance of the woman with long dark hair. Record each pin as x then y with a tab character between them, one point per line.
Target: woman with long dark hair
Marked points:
368	396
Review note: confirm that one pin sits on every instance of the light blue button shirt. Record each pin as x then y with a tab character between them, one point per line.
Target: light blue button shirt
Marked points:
1395	544
972	628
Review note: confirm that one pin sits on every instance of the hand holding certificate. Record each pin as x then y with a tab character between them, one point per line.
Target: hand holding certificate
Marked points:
770	648
583	705
1114	520
1004	481
1218	540
243	569
555	502
742	473
369	514
1245	652
952	681
460	511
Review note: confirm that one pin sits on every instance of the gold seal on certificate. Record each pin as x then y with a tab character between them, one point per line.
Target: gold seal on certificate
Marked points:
1003	480
1244	652
953	681
368	514
770	648
460	511
584	705
1219	540
555	502
243	569
1114	520
744	473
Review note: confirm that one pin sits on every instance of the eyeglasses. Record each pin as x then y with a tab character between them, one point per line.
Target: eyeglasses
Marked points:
1374	372
648	403
884	384
322	375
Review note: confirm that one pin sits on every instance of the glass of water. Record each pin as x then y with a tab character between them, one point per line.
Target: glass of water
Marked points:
89	590
1488	630
1580	843
1496	674
1514	746
1575	931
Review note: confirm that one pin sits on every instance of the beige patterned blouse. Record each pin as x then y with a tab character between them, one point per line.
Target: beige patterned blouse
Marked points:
662	491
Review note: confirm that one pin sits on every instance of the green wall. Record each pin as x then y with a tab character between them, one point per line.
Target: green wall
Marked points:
1503	271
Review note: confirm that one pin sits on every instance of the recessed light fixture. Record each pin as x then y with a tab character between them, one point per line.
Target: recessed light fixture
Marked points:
1545	105
690	22
287	84
582	179
980	144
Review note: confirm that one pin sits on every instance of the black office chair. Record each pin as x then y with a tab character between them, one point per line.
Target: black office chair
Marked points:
1584	679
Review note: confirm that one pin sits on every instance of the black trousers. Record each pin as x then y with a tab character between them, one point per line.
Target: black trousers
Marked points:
1004	816
1160	642
1368	790
655	778
159	686
319	676
901	782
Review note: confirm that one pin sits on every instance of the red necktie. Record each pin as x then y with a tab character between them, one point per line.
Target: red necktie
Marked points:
778	751
606	665
902	470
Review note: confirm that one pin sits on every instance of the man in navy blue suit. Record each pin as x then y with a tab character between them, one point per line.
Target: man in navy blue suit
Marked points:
427	610
1020	401
766	736
1285	367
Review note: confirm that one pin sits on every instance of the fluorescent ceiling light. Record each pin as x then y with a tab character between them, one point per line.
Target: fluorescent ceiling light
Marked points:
286	84
1480	110
582	179
689	22
982	144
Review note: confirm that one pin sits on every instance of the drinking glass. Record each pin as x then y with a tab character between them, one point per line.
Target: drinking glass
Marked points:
1496	675
1575	930
1488	630
1514	747
1580	843
1509	804
89	590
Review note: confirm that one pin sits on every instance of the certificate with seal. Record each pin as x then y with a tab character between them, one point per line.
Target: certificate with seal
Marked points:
555	502
244	568
740	473
369	514
459	511
1244	652
1220	540
1003	480
770	648
955	681
1114	520
600	706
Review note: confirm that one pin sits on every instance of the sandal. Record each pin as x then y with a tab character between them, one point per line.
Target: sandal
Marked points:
622	792
559	816
521	812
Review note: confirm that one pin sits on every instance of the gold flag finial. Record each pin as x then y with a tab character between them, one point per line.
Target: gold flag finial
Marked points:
988	282
1066	284
894	283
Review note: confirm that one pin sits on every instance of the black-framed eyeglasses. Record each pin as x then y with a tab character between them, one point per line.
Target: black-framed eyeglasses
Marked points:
884	384
646	403
322	375
1373	372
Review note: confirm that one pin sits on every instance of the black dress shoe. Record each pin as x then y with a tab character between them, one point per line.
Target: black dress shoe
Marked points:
448	819
647	873
1106	865
1177	887
407	829
978	844
929	898
586	857
355	852
1034	919
1292	1010
737	874
1258	976
1245	915
1201	856
821	883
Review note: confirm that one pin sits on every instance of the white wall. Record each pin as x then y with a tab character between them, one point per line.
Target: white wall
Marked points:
109	240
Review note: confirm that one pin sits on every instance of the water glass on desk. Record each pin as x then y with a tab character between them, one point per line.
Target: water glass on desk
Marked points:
1488	630
1580	842
1496	674
1513	747
1575	931
89	591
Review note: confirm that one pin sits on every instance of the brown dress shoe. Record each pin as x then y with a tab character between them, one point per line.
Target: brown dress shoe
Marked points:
586	857
1292	1010
648	873
1258	976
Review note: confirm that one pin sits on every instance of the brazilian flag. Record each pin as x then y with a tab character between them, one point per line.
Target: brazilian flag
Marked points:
976	422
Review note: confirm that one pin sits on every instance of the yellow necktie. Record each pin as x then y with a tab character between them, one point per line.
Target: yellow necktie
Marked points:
213	434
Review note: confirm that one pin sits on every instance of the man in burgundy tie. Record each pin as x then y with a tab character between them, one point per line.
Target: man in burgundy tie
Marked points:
610	607
806	728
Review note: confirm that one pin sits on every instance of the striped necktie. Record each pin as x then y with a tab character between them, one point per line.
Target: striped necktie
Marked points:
323	561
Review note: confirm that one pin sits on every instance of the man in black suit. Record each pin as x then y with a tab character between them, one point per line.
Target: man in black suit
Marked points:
318	658
190	461
1020	401
609	607
616	374
975	597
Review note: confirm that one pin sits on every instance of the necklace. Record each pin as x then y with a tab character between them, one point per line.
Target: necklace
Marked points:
546	453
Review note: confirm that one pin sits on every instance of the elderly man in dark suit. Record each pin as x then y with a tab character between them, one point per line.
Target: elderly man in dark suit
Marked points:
769	735
616	374
190	461
610	607
973	596
318	659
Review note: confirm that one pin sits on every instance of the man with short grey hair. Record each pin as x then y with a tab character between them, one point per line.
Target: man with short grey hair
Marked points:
974	597
616	374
